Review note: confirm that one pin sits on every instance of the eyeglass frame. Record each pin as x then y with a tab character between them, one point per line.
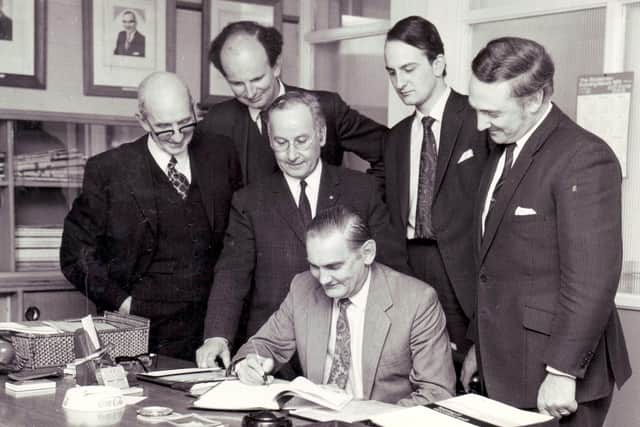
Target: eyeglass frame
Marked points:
171	132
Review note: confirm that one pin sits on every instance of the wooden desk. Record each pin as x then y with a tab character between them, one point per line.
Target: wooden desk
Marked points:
46	410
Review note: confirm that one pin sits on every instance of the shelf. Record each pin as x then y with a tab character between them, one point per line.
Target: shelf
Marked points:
21	182
35	279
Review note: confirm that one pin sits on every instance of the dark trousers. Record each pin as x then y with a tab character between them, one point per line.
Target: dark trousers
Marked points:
426	262
176	327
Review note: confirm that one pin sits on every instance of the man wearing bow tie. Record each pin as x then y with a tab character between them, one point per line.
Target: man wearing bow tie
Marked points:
145	232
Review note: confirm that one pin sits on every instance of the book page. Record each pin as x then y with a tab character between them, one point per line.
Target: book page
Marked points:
237	396
324	395
417	416
356	410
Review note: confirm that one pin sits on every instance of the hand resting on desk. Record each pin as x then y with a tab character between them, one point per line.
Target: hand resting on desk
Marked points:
253	369
211	349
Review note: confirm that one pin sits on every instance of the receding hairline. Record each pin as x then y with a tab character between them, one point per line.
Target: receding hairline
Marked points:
160	84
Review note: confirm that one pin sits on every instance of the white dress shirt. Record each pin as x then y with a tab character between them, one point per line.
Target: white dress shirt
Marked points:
516	151
313	187
355	317
255	112
417	135
162	158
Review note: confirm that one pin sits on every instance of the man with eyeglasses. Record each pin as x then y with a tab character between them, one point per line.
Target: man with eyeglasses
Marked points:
144	234
265	243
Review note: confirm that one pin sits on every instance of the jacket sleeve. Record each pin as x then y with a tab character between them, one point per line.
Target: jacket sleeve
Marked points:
359	135
432	375
232	275
84	238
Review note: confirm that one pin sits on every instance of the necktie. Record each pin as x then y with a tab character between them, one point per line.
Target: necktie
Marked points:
508	163
426	182
264	129
177	179
339	373
304	207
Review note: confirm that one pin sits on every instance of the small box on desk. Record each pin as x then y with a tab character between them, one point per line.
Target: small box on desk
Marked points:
128	335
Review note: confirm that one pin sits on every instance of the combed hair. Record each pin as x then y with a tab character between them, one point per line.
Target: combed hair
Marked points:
419	33
342	219
295	97
522	61
269	37
132	13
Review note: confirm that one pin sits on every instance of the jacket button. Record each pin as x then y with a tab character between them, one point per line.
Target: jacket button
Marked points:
483	278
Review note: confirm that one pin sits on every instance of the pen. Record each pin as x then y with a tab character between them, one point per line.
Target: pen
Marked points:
264	374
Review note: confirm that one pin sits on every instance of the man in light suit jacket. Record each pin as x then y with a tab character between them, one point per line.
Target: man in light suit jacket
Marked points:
144	234
360	325
549	246
438	232
249	57
264	247
130	42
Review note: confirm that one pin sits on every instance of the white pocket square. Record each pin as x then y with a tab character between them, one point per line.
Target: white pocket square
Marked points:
520	211
466	156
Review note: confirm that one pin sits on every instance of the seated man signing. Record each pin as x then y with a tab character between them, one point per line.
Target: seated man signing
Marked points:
377	333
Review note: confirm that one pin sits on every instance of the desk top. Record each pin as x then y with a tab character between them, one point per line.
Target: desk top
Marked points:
46	410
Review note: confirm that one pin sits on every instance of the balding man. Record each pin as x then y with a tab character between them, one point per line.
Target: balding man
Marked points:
143	235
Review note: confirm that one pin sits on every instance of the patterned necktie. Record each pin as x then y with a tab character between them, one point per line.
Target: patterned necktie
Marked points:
426	182
304	207
177	179
508	163
339	373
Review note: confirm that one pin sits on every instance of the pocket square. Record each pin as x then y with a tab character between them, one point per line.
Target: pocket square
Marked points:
520	211
466	156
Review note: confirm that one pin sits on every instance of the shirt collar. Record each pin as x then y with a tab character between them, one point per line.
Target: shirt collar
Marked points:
255	112
437	111
313	180
359	300
162	157
524	138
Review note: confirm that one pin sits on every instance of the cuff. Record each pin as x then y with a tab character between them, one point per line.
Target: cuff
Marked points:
556	372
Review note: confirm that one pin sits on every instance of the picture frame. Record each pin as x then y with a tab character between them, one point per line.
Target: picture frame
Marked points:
216	14
23	32
124	41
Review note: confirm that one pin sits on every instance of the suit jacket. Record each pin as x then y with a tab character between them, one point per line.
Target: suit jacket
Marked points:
547	280
265	246
136	47
109	235
456	187
347	130
6	28
406	357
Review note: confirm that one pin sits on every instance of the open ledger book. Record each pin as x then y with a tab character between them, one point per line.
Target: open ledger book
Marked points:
236	396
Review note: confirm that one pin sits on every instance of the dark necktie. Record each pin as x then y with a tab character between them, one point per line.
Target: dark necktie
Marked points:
177	179
339	373
304	207
508	163
426	182
264	130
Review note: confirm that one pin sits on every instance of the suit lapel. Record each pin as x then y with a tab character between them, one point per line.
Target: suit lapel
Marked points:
140	182
481	195
449	130
240	137
318	328
329	192
205	180
403	157
515	176
376	328
286	206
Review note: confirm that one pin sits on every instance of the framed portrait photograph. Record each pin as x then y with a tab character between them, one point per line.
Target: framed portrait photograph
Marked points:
216	15
124	41
22	43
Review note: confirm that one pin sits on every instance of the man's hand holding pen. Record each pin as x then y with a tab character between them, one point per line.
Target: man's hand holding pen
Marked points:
254	369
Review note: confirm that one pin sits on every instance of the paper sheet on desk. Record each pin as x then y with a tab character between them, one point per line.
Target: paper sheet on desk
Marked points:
417	416
356	410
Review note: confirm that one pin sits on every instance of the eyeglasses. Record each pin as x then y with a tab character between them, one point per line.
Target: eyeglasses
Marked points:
166	135
301	145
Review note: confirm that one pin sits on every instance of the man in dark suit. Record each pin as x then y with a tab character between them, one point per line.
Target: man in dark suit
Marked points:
433	160
249	57
549	246
145	232
372	331
130	41
264	247
6	25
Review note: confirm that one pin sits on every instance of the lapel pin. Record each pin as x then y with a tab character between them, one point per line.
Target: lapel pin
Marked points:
331	197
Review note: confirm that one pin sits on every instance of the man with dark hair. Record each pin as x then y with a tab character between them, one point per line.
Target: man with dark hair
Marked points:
264	247
433	160
145	232
249	57
130	41
549	246
360	325
6	25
